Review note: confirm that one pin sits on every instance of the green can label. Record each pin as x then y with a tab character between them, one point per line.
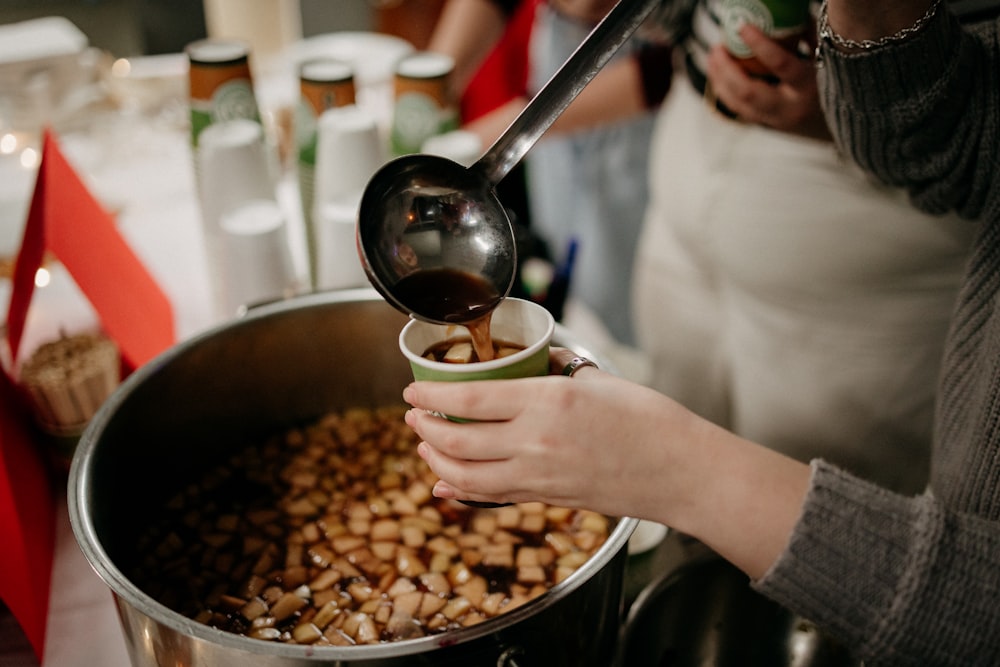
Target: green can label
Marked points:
232	100
306	132
416	118
776	18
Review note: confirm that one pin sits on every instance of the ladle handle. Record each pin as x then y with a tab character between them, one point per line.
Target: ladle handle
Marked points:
584	63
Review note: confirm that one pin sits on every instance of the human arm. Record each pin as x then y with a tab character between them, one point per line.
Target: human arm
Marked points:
601	442
865	20
920	113
623	89
901	579
913	580
614	94
467	30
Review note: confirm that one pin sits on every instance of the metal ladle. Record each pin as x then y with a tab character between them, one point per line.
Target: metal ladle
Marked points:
426	220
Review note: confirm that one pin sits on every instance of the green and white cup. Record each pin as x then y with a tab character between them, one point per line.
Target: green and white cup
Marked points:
517	321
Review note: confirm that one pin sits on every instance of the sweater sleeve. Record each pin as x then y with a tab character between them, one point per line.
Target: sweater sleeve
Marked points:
901	578
903	113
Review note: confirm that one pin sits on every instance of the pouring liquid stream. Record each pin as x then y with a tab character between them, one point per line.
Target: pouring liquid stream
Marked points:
469	301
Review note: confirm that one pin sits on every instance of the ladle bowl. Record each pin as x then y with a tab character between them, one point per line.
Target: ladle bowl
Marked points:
428	227
436	219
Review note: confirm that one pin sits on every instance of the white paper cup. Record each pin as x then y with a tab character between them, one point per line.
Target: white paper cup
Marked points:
460	146
235	164
256	262
349	150
338	265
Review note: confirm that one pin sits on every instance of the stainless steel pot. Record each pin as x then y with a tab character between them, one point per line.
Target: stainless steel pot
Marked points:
285	363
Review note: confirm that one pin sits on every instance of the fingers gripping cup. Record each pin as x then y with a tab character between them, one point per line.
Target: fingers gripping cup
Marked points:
521	333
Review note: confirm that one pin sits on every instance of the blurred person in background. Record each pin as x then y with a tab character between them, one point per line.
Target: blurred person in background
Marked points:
780	291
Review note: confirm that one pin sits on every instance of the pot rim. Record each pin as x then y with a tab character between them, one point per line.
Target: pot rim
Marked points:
78	490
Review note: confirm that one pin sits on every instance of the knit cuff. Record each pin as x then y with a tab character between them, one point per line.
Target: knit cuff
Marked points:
867	81
848	554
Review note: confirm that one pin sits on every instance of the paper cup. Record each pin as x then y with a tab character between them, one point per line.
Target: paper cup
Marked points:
338	265
256	263
460	146
515	321
235	164
348	153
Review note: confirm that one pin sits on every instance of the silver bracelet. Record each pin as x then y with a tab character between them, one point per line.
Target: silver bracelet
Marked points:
827	34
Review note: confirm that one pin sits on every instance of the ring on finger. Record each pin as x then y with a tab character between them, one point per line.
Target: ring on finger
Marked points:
575	364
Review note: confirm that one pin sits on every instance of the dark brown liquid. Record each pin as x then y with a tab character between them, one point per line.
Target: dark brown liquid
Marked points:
482	340
456	297
447	295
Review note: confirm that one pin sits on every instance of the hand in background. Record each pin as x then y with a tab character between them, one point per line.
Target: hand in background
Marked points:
791	104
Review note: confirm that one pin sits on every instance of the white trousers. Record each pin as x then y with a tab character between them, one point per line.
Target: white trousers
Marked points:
783	295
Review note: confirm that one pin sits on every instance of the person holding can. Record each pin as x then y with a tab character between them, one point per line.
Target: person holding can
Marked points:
779	291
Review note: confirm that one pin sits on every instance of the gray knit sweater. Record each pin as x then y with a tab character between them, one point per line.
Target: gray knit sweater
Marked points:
916	580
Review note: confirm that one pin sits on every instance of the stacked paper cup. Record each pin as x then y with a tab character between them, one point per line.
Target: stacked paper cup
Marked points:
349	152
461	146
245	229
256	261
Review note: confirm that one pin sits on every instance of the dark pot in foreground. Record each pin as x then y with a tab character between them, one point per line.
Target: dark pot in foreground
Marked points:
287	363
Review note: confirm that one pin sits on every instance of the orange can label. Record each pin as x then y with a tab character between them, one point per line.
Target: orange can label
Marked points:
326	83
220	83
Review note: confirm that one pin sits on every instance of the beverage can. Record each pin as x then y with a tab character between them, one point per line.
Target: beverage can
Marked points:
324	83
423	105
785	21
220	83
